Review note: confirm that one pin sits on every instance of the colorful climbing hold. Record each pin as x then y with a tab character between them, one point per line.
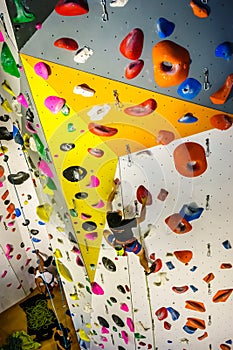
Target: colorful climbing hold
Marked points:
54	103
222	295
133	69
142	109
164	27
165	137
96	289
189	89
42	70
221	121
141	193
220	96
199	10
132	45
184	256
67	44
8	62
71	7
224	50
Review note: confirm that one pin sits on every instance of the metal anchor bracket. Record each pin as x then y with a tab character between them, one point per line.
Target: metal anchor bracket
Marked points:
206	84
104	9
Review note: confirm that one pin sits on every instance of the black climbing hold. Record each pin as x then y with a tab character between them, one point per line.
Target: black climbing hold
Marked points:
22	245
65	147
113	300
118	320
89	226
4	118
121	289
121	348
19	178
109	264
81	195
7	202
5	158
103	322
29	115
74	173
26	222
72	238
34	232
5	134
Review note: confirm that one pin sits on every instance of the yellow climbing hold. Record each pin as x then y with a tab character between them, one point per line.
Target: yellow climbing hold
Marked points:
63	271
7	88
83	335
57	254
44	211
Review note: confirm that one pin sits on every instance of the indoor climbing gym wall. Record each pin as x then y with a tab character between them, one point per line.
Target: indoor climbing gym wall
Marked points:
135	90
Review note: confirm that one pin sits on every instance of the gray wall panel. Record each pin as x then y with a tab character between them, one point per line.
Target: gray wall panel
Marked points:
199	36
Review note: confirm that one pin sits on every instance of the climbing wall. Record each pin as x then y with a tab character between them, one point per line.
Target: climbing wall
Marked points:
107	102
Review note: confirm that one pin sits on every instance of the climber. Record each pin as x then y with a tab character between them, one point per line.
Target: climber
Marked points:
62	337
120	236
45	280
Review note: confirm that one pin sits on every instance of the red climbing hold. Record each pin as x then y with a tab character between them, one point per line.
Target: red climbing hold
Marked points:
67	44
71	7
132	45
221	121
161	313
133	69
143	109
142	192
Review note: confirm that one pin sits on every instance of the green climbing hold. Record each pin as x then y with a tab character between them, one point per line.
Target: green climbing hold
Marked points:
50	184
22	16
139	336
8	62
71	127
40	148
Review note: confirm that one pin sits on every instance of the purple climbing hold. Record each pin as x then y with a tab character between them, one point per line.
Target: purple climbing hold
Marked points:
44	167
54	103
42	70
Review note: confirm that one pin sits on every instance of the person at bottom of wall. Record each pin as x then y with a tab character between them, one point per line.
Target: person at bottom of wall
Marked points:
44	280
62	337
120	236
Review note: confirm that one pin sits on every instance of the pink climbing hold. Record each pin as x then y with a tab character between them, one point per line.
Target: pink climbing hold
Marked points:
54	103
94	182
28	262
98	205
21	99
38	26
1	37
130	324
124	307
125	337
96	289
44	167
30	128
91	236
42	70
104	330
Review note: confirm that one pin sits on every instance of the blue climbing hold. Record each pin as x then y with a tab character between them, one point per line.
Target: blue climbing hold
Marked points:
224	50
191	211
17	136
194	289
165	28
189	89
170	265
228	341
174	314
226	244
189	330
17	212
193	268
36	240
188	118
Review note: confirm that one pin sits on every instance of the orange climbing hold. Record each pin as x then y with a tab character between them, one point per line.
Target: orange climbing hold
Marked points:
220	96
184	256
195	323
198	10
195	305
190	159
165	137
171	63
208	278
222	295
203	336
225	347
221	121
178	224
67	44
1	171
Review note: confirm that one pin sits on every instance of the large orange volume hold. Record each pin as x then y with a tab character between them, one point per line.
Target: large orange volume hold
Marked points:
220	96
190	159
171	63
